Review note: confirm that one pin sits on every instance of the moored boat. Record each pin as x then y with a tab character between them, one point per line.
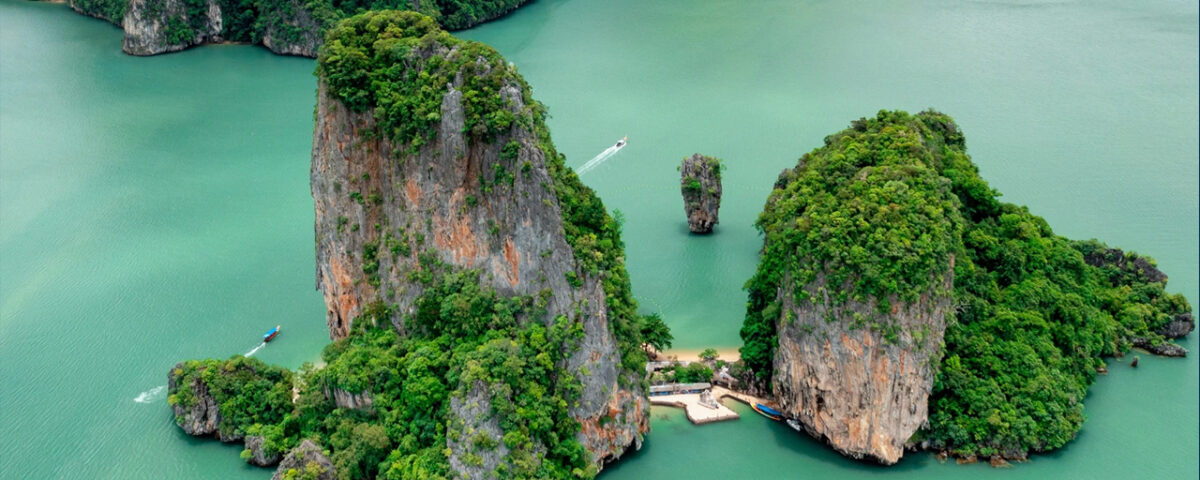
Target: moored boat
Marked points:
766	411
795	424
271	334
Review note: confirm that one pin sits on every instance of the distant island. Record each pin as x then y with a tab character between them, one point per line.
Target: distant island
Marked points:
286	27
483	322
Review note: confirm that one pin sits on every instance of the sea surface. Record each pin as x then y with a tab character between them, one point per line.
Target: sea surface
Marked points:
157	209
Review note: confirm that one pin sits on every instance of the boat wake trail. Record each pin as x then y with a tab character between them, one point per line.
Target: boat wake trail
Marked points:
151	394
255	349
598	159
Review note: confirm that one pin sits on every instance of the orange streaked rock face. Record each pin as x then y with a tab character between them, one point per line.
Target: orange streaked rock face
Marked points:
847	383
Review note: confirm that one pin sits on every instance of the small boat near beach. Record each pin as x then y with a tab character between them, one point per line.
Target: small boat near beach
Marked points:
795	424
766	411
271	334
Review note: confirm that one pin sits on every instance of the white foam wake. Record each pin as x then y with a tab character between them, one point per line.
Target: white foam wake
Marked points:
255	349
151	394
599	159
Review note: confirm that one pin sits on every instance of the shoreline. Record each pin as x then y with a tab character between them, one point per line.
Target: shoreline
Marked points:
729	354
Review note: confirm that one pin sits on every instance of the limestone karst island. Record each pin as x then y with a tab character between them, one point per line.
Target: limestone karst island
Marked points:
442	239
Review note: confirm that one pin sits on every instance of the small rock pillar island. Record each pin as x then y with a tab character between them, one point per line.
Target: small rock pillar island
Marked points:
700	183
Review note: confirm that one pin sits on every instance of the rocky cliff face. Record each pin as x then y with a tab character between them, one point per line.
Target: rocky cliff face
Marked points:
201	417
863	390
112	11
376	212
1180	326
344	399
700	182
305	461
159	26
212	398
476	425
471	197
258	455
291	29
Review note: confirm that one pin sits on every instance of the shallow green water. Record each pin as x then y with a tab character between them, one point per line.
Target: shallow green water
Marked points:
157	209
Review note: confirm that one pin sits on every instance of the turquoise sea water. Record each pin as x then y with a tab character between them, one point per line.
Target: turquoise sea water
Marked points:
157	209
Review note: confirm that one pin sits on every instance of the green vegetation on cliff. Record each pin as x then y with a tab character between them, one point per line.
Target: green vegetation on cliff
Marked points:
246	391
365	63
1034	319
111	10
461	335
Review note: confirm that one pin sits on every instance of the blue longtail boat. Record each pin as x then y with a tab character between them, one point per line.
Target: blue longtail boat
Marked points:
271	334
768	412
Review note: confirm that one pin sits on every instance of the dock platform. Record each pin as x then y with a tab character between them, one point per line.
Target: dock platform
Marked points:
696	412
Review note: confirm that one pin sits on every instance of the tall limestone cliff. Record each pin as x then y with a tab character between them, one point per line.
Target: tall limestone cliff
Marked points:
849	304
442	158
482	317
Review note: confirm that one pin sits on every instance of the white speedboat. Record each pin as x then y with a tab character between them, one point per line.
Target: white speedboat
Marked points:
621	142
791	422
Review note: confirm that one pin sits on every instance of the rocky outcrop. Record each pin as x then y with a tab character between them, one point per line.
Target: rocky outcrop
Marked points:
343	399
290	29
467	200
1165	349
862	389
305	461
700	182
202	416
1179	326
1114	258
616	426
160	26
258	455
112	11
199	392
1124	268
477	445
